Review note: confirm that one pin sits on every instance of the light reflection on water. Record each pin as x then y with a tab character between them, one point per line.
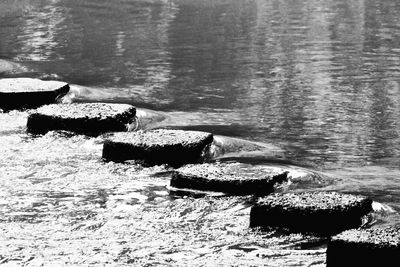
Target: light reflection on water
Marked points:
319	79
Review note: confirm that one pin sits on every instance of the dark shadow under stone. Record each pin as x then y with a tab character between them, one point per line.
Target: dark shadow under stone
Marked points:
230	178
365	247
24	93
83	118
322	213
156	147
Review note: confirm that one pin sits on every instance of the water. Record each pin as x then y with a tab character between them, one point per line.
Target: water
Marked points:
319	79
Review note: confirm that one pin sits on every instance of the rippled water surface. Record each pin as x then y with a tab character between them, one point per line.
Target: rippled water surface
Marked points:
317	79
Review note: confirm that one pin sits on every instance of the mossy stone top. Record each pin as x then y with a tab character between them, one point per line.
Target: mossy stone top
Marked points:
85	110
230	171
387	237
331	201
232	178
23	85
161	138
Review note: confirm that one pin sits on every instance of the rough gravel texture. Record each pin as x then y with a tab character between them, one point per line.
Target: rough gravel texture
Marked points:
23	93
156	147
231	178
323	213
365	247
86	118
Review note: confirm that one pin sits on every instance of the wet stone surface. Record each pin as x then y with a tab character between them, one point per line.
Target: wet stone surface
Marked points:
22	93
155	147
323	213
231	178
365	247
87	118
387	237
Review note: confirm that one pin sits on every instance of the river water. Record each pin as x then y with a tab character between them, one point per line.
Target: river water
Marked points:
318	79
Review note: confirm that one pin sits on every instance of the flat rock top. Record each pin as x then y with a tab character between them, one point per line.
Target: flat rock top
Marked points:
312	200
387	237
24	85
85	110
160	137
230	171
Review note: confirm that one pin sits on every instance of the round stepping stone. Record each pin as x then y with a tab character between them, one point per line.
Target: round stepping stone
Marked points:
322	213
156	147
365	247
230	178
21	93
85	118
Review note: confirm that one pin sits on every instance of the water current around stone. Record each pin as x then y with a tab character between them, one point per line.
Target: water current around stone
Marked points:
318	79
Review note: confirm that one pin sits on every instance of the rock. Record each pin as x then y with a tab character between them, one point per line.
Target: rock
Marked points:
322	213
83	118
365	247
231	178
155	147
22	93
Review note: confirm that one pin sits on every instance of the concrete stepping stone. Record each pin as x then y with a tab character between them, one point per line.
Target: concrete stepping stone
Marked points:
83	118
365	247
23	93
230	178
321	213
156	147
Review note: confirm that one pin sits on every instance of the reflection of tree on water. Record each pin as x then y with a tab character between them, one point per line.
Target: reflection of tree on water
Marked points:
123	45
208	43
107	43
9	10
307	81
159	68
134	54
38	34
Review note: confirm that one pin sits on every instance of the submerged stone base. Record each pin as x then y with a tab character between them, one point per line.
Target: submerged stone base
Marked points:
84	118
368	247
322	213
156	147
231	178
23	93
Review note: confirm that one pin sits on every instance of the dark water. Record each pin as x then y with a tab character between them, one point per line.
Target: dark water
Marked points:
319	79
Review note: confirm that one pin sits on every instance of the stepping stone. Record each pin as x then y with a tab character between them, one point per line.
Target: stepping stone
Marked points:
83	118
366	247
22	93
156	147
322	213
230	178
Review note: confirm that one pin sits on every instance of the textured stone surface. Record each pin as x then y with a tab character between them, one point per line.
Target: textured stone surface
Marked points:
365	247
155	147
323	213
86	118
21	93
231	178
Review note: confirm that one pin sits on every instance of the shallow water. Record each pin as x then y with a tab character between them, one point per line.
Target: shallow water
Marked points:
317	79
